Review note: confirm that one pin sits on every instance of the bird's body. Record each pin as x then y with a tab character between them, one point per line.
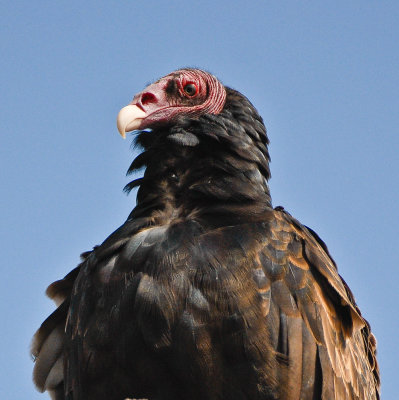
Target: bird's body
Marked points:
206	291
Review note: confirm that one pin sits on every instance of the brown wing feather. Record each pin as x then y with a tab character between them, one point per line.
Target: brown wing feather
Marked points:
48	342
328	345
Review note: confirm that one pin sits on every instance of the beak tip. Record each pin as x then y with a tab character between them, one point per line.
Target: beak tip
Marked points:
121	130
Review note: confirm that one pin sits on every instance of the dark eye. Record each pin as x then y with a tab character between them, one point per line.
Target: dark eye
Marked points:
190	89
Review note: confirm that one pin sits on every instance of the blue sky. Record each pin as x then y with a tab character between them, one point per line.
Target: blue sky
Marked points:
324	76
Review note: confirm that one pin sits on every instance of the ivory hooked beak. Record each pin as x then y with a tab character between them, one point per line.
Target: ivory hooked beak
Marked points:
129	119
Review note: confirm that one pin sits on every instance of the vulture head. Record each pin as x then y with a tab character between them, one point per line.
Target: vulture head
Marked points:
184	92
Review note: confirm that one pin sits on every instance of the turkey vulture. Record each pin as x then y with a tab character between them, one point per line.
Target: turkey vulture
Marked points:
206	291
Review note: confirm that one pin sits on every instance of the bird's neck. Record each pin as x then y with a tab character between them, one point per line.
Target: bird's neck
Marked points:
199	182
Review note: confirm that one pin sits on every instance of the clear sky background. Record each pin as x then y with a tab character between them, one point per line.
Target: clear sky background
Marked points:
324	75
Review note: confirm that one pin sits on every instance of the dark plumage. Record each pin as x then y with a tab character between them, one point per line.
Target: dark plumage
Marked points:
206	291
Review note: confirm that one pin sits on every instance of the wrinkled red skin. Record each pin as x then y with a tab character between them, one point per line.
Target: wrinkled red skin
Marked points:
161	107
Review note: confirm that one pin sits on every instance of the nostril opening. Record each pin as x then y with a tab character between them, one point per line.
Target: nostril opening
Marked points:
148	98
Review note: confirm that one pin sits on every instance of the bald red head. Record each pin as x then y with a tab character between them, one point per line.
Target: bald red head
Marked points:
184	92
